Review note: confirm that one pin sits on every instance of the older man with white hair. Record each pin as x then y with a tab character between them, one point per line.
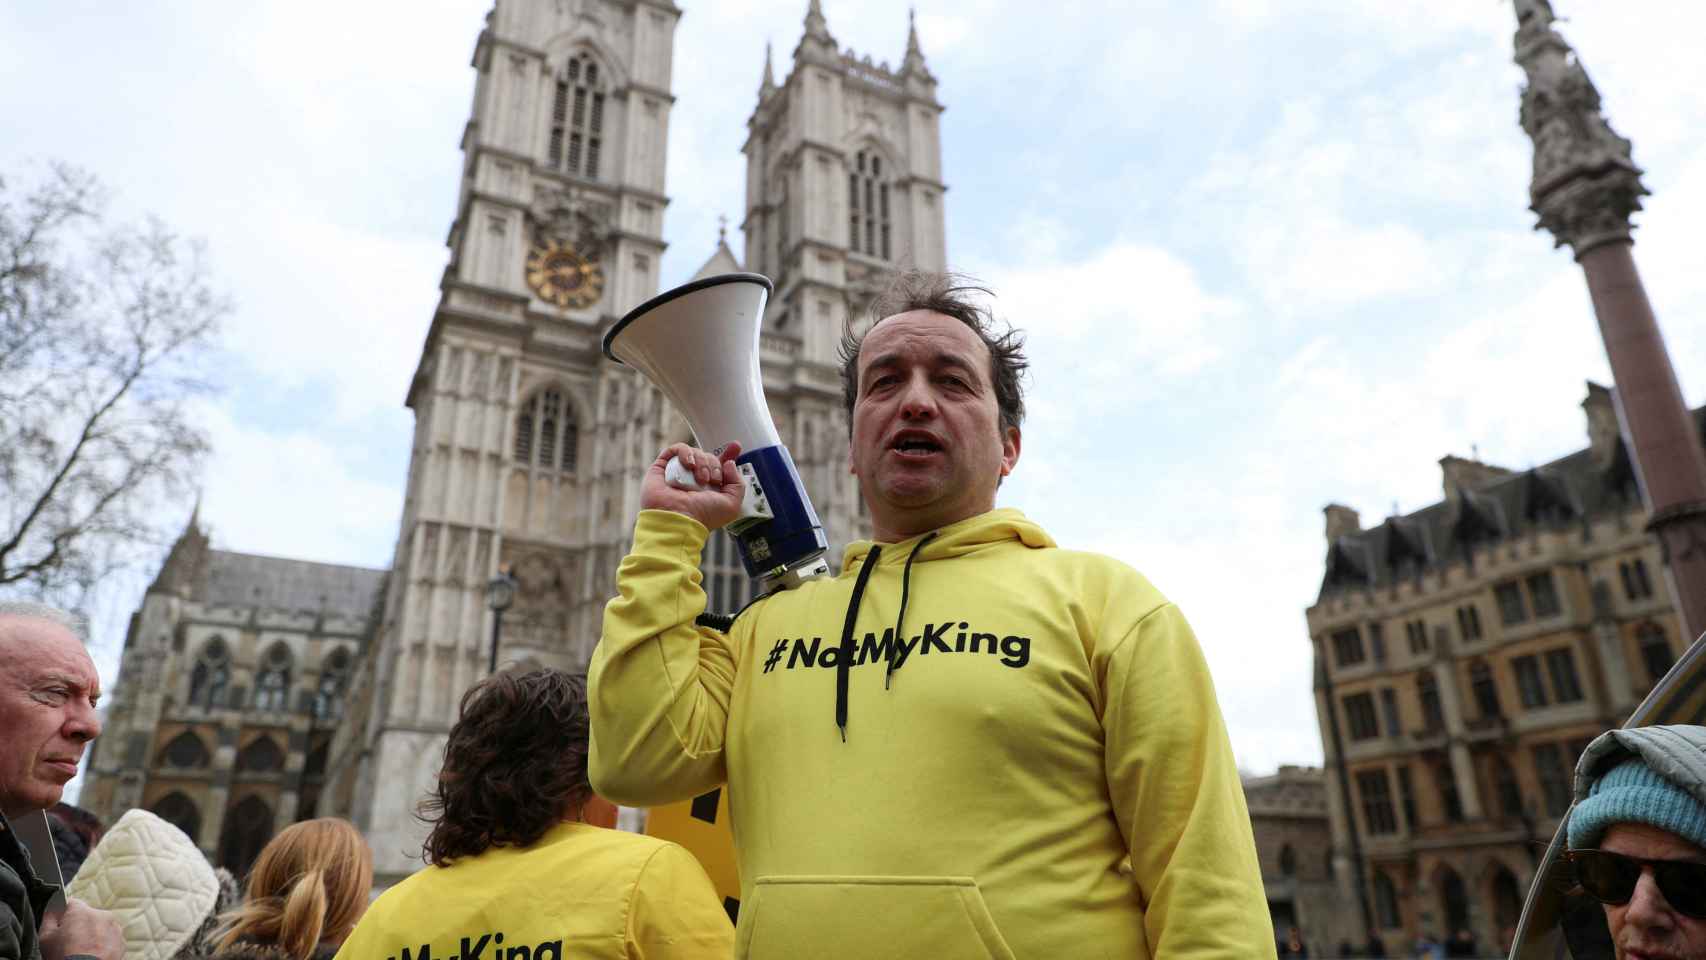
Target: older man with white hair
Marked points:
48	691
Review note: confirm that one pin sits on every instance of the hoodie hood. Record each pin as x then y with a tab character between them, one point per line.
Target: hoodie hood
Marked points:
954	540
1676	753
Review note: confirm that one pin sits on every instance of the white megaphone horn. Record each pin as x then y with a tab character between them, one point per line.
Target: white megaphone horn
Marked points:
699	344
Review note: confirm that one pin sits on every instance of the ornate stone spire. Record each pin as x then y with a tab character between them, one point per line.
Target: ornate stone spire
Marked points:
914	62
767	86
817	28
1585	184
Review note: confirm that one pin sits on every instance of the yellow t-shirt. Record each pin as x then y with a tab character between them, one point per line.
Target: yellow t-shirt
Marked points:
580	892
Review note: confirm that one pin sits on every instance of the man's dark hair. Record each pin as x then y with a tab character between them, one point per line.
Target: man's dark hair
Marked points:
514	766
949	294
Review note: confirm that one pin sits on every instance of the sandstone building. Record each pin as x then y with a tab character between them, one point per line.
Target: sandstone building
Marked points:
1465	654
1294	846
528	443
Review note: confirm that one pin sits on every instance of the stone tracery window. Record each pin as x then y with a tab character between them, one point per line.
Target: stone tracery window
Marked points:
262	755
547	433
577	118
248	827
181	812
185	751
868	225
328	696
272	682
211	676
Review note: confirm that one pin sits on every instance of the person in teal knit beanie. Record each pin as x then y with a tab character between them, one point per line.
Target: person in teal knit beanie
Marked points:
1637	838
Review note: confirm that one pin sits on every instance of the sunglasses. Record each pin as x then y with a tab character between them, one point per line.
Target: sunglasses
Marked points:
1611	878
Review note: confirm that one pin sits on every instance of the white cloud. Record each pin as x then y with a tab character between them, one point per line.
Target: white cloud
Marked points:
292	492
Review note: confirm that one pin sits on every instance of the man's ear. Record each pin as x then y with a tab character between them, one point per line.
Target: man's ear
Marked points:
1009	450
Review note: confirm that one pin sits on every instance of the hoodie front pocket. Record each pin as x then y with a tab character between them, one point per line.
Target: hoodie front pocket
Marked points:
940	918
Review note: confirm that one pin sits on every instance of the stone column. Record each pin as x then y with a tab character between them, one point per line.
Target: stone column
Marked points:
1667	454
1462	764
1585	189
1620	695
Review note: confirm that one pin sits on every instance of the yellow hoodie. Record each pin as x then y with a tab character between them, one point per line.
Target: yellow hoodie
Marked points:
580	893
973	791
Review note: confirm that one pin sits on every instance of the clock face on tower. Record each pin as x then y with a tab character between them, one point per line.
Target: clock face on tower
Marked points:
561	275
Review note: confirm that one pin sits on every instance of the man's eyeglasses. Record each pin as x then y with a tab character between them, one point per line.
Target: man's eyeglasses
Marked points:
1611	878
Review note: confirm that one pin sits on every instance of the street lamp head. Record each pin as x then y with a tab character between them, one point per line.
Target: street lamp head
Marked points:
500	591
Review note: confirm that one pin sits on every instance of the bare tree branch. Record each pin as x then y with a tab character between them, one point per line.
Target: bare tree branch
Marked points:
105	331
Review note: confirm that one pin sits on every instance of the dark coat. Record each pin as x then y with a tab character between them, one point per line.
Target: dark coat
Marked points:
23	896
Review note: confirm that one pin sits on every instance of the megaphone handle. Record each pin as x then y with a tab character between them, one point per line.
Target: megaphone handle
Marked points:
679	476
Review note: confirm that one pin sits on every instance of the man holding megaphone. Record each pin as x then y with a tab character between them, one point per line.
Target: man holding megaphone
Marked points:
970	743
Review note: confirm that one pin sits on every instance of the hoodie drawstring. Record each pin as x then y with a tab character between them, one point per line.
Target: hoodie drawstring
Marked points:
844	657
900	618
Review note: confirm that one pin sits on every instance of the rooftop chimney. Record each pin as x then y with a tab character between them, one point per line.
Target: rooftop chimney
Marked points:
1342	521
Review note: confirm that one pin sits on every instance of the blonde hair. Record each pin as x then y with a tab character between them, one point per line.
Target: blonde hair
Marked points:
309	885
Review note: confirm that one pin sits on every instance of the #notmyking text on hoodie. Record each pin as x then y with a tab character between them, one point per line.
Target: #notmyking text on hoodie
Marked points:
938	638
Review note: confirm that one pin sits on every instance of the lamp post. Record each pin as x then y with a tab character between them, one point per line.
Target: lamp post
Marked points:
500	593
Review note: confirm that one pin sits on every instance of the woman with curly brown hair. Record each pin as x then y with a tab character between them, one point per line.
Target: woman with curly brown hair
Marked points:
515	872
306	891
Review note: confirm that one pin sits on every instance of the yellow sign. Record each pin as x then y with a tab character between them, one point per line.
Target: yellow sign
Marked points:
702	826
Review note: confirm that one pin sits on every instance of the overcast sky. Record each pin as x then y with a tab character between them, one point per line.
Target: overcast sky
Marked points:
1270	255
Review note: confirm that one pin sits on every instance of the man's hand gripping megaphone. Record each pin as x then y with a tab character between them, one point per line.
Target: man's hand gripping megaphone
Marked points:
716	500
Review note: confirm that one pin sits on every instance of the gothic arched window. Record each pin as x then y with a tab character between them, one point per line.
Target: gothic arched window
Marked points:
212	674
272	682
868	206
248	827
547	432
315	764
181	812
328	696
577	118
185	750
262	755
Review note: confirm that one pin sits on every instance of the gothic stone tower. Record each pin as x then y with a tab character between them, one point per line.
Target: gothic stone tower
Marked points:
526	443
844	185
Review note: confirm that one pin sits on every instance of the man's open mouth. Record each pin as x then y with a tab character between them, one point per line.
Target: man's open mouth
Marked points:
915	445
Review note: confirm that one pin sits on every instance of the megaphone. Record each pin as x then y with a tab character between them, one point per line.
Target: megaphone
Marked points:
698	343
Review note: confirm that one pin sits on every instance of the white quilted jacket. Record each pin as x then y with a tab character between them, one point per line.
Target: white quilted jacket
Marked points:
152	877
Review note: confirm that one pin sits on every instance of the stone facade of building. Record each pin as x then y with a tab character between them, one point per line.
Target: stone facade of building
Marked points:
1465	654
1294	844
233	678
528	443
